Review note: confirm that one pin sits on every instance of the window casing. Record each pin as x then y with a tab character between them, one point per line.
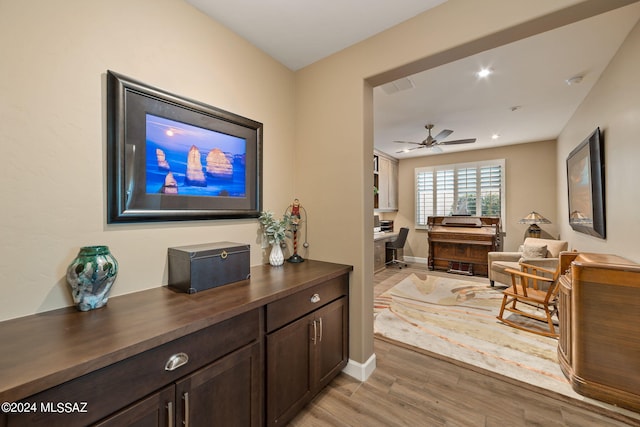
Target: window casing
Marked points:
456	189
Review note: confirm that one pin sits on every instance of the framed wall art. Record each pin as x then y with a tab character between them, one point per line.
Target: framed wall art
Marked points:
585	182
173	158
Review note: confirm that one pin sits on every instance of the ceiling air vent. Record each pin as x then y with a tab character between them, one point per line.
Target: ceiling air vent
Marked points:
398	85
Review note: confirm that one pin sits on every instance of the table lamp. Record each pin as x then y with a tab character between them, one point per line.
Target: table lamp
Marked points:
533	219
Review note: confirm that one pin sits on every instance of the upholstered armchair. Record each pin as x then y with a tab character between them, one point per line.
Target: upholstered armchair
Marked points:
539	252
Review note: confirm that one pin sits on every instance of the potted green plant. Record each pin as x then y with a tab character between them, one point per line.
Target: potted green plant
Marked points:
274	231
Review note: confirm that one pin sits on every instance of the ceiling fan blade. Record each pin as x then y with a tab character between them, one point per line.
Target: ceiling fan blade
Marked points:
407	142
443	134
457	141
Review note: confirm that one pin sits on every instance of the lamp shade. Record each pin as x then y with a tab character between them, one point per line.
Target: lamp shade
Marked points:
577	217
534	218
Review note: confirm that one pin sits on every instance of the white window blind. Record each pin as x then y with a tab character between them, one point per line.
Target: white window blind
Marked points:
475	189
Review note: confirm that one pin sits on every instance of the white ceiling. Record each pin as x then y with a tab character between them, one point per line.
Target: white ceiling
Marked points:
300	32
530	74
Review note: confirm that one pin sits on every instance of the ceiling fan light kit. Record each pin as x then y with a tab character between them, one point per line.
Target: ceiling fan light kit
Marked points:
432	142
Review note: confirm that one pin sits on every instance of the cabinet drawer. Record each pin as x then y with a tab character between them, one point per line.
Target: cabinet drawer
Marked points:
288	309
116	386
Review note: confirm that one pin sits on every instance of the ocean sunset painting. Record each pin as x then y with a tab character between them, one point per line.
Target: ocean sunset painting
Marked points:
187	160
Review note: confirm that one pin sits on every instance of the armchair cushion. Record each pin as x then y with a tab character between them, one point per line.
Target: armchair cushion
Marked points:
554	247
533	251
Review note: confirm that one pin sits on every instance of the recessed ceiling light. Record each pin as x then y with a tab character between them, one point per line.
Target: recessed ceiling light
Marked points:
484	73
495	136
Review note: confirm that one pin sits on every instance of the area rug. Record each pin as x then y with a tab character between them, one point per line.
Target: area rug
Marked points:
456	318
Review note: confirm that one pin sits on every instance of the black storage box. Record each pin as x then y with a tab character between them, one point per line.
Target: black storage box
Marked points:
195	268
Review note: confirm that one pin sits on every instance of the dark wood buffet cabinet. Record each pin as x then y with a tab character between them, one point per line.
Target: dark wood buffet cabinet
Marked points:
250	353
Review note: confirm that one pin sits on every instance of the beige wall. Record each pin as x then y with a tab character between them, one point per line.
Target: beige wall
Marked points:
614	106
530	183
318	129
52	139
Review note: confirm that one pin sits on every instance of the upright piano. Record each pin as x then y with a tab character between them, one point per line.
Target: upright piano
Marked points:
460	244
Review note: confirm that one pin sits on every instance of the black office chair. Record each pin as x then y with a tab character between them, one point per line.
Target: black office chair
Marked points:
398	243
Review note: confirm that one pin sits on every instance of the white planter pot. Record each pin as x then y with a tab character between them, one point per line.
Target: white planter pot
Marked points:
276	258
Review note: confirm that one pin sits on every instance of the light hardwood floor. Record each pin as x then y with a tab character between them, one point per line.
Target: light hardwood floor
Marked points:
409	388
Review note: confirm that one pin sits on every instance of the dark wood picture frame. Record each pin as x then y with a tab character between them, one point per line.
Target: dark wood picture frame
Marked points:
146	184
585	182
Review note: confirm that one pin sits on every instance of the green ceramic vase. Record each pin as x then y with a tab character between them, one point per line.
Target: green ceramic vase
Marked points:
91	275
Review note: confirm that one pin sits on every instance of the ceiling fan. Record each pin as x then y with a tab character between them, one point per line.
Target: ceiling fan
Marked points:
430	142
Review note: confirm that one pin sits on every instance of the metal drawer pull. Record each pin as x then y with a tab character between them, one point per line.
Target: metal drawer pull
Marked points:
185	399
170	414
315	332
315	298
176	361
224	254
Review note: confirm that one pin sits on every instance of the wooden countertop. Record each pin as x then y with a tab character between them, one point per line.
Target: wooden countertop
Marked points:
45	349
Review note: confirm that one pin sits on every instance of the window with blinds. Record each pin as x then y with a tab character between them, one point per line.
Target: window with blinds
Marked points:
475	189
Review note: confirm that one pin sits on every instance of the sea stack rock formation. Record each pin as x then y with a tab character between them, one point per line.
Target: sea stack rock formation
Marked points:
218	166
170	185
195	175
163	165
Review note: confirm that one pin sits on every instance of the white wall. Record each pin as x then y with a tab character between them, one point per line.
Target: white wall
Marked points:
614	106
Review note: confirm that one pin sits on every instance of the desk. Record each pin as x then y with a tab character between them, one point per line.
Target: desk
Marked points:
380	257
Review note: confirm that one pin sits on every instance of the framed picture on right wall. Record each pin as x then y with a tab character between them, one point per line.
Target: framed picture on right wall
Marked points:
585	182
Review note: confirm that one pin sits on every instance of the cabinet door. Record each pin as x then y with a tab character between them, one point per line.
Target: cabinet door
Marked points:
157	410
387	183
289	383
393	185
331	342
564	315
303	357
384	166
225	393
379	254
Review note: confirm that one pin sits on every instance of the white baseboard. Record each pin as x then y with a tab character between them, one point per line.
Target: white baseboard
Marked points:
361	371
414	259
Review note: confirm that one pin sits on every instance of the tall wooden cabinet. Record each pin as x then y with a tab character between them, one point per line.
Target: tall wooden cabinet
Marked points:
599	343
386	181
